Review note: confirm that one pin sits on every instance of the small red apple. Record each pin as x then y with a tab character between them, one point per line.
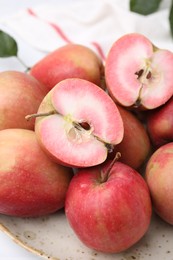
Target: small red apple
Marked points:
20	94
108	207
78	123
159	177
137	73
160	124
69	61
30	183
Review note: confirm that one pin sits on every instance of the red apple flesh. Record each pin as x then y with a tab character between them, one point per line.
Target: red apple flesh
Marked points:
138	74
78	123
159	177
109	210
21	94
69	61
31	184
160	124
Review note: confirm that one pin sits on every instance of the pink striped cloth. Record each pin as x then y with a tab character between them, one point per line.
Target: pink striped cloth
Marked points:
94	23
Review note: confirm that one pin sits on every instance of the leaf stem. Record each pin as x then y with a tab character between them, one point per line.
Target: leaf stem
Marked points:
24	64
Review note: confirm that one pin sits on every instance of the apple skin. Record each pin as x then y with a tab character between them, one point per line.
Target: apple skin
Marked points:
160	124
21	94
159	177
69	61
108	215
135	148
31	184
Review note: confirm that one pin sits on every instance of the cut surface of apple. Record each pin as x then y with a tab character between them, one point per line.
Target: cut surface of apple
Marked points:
139	74
82	126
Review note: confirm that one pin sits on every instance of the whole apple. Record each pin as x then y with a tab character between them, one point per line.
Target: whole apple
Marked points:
69	61
20	94
78	123
160	124
108	207
135	148
31	184
159	177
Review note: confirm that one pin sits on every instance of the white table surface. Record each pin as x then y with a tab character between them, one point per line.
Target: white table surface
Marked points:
8	249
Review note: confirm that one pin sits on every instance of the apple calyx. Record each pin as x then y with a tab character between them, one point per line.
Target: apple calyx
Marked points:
104	175
78	131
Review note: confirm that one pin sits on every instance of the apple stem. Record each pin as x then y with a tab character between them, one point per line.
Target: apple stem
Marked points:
105	176
28	117
116	158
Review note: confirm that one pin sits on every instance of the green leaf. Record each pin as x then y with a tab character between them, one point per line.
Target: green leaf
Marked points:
144	7
8	46
171	18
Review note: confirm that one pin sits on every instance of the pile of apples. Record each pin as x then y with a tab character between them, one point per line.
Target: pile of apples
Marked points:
93	138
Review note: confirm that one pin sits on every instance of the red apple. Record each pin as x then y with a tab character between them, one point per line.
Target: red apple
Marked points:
69	61
135	147
137	73
160	124
159	177
31	184
78	123
108	207
20	94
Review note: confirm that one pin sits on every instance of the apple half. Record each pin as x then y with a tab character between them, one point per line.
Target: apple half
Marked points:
137	73
78	123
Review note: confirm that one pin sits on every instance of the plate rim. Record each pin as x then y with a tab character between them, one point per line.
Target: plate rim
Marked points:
21	243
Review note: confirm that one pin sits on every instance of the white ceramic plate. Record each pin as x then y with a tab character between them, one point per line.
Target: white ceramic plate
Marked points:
52	238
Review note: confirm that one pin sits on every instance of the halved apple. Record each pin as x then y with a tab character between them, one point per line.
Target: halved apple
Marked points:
137	73
78	123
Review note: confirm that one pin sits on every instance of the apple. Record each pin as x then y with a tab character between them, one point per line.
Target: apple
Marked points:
159	177
160	124
20	94
137	73
31	184
78	123
135	148
69	61
108	206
